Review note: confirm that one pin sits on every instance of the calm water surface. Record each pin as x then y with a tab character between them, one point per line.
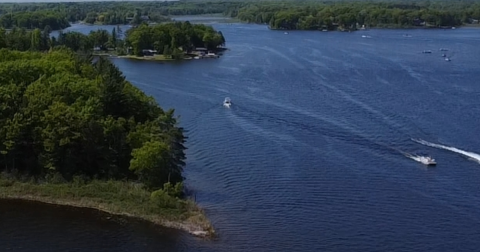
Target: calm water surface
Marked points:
310	155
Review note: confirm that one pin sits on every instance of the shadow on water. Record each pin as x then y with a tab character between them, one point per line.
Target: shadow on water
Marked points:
34	226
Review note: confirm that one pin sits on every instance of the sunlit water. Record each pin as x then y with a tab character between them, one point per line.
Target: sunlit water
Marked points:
310	157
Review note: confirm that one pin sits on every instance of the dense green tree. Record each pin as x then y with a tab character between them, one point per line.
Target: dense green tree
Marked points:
62	115
173	38
35	19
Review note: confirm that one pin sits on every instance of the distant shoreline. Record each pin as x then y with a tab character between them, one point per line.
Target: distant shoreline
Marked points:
384	28
161	57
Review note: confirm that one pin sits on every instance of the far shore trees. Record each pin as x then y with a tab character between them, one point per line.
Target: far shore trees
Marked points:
173	38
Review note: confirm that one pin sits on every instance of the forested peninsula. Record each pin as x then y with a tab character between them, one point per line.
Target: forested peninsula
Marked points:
78	133
166	41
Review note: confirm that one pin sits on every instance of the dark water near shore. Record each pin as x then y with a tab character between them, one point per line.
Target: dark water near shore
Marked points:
309	157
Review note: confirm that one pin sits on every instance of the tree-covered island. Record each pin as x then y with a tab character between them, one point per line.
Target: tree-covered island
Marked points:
174	40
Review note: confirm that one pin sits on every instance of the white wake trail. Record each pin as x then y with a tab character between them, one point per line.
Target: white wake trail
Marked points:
471	155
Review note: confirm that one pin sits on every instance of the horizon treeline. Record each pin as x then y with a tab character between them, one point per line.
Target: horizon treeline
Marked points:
304	15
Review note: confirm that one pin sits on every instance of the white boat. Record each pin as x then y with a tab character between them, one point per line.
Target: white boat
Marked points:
427	160
447	59
227	102
285	33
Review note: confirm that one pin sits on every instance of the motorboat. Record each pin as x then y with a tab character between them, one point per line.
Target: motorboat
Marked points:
427	160
447	59
427	51
285	33
227	102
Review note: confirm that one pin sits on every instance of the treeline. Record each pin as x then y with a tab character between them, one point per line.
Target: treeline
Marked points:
62	115
354	14
173	38
36	19
41	40
109	13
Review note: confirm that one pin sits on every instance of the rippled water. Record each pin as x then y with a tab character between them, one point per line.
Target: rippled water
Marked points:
309	156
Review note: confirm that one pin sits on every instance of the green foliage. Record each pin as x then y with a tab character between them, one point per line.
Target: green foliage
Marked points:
348	14
62	115
173	38
289	14
35	19
28	15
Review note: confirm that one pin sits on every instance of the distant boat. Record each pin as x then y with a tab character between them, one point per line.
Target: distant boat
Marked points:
427	51
285	33
447	59
443	49
444	55
227	102
407	35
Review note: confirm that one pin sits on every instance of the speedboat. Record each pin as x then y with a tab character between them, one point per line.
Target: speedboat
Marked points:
427	51
427	160
227	102
447	59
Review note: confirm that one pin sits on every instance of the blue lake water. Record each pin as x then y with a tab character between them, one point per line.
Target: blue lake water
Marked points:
310	155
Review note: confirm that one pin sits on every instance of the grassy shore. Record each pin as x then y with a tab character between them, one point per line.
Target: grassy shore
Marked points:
114	197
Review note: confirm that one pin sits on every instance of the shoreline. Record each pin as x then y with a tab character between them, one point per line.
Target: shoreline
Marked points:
192	220
161	57
386	27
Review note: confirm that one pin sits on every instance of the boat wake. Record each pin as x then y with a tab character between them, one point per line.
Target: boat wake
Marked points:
471	155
